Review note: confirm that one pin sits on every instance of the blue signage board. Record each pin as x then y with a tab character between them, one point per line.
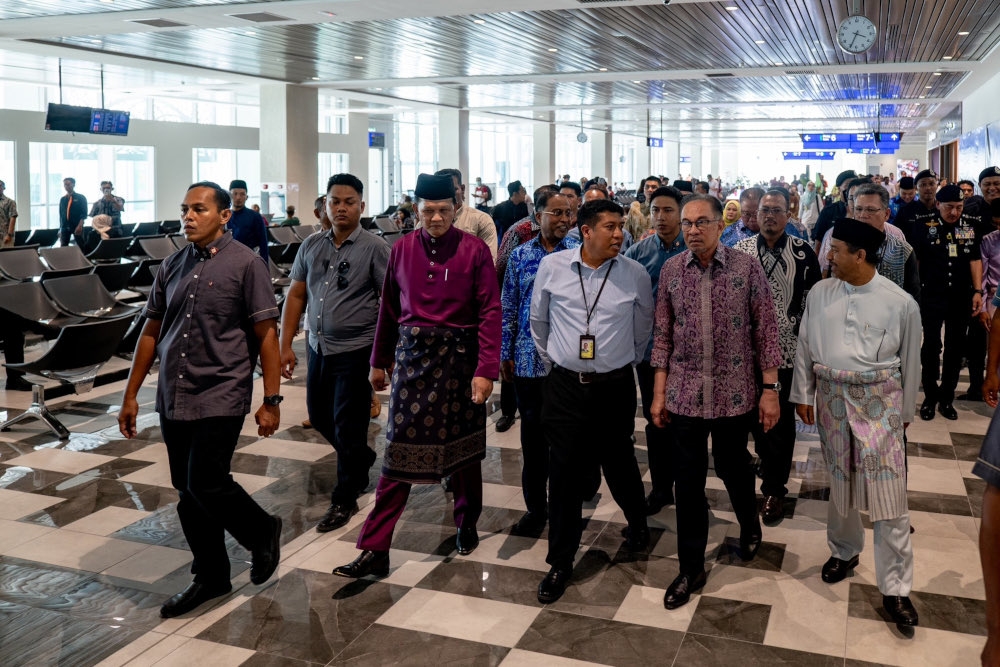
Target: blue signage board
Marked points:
881	150
855	140
654	142
807	155
685	159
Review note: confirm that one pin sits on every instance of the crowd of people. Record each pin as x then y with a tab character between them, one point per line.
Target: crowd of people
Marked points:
726	317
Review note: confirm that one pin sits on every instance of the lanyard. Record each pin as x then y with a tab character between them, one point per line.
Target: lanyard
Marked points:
590	310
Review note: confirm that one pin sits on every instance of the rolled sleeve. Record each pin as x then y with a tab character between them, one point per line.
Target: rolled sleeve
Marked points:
258	293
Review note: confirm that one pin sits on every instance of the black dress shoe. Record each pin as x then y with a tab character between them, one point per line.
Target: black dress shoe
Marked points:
656	501
17	384
750	542
976	396
553	585
927	411
335	517
264	561
636	539
466	540
369	562
948	411
504	423
530	525
680	590
773	510
192	596
835	570
901	609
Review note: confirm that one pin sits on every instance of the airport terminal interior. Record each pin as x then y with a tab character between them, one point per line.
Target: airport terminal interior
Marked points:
285	93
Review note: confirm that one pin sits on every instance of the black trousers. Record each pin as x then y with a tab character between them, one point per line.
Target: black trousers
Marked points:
534	448
956	325
211	502
732	465
338	398
975	351
660	442
508	399
69	231
775	447
586	424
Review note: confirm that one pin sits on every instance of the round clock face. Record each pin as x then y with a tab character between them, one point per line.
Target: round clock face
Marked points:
582	137
856	34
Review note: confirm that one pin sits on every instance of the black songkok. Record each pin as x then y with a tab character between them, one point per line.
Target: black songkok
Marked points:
989	171
237	185
859	235
684	186
848	175
907	183
435	188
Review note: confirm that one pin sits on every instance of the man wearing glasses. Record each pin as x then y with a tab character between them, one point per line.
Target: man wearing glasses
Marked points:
791	269
519	360
715	334
337	278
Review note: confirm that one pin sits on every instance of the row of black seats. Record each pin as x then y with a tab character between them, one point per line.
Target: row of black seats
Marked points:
48	237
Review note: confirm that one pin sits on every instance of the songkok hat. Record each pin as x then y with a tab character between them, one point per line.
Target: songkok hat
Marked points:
514	188
237	185
926	173
845	176
684	186
995	208
859	234
989	171
435	188
949	194
907	183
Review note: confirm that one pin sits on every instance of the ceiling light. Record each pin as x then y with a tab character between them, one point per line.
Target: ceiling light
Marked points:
359	57
928	86
315	78
731	8
250	33
479	22
758	41
923	96
779	64
553	50
602	69
937	73
963	32
946	58
637	82
107	2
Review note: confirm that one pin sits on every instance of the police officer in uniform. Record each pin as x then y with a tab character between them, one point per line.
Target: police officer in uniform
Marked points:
913	217
951	273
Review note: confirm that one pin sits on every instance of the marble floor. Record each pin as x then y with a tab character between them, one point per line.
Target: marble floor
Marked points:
90	547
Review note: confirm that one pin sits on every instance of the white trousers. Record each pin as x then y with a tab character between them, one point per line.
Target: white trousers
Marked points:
893	552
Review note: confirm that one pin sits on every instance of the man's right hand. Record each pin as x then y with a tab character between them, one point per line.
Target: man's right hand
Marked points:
507	371
658	411
288	362
991	386
985	319
806	413
378	377
126	417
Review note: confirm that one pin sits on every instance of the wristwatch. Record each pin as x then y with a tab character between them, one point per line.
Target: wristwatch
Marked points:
273	400
776	386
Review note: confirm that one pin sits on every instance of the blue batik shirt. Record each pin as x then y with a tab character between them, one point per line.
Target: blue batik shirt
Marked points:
652	253
517	344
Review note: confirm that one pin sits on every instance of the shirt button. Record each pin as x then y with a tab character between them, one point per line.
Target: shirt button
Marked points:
185	335
430	275
181	375
183	354
434	252
190	296
432	263
189	314
196	275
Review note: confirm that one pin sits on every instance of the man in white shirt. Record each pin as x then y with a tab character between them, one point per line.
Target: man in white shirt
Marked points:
858	361
468	218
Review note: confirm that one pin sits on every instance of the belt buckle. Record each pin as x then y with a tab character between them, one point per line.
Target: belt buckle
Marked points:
583	377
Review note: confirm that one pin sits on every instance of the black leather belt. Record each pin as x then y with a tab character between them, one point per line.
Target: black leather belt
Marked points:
591	378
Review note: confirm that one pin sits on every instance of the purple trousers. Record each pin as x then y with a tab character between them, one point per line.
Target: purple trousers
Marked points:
390	500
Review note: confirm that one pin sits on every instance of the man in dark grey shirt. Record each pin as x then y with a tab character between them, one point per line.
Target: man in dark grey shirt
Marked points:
209	314
337	278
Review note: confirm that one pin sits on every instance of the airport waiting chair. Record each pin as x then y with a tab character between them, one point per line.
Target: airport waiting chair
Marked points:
170	226
30	302
43	238
128	228
109	250
21	237
141	280
179	240
73	359
284	254
86	296
146	229
283	235
157	247
305	231
65	258
115	276
279	278
21	263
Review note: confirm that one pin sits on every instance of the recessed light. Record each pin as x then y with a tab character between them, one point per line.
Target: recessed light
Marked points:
946	58
359	57
378	89
937	73
107	2
923	96
602	69
553	50
779	64
928	86
315	78
250	33
758	41
963	32
636	81
731	8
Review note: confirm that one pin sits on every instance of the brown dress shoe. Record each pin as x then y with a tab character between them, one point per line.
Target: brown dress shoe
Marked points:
376	407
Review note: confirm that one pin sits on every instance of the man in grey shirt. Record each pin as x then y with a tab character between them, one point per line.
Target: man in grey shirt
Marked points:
337	279
210	312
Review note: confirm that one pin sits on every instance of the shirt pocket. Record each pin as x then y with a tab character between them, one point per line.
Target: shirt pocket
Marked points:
877	343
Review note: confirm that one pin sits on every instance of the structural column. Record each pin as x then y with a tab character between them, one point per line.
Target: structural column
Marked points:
453	144
357	145
543	157
600	154
288	138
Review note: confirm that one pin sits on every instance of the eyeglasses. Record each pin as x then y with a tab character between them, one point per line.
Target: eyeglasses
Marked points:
768	210
559	213
868	210
700	223
342	270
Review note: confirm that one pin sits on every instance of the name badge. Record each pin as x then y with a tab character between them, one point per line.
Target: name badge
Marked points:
588	347
952	250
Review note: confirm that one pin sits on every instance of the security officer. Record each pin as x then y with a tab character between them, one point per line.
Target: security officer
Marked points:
913	217
951	273
989	184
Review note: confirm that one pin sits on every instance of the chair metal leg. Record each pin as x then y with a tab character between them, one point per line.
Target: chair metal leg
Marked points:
38	411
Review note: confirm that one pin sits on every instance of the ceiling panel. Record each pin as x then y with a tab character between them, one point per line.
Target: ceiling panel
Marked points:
13	9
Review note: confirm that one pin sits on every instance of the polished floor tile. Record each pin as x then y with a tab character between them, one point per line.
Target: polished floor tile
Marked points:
59	460
17	504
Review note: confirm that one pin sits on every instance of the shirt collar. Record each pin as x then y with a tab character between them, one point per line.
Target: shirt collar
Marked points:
675	244
778	247
720	255
447	240
351	238
213	248
577	258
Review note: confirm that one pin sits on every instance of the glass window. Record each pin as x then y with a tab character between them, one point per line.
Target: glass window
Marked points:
330	164
130	168
332	114
222	165
415	150
572	157
500	153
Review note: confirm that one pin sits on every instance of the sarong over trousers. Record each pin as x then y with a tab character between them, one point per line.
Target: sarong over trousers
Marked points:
861	430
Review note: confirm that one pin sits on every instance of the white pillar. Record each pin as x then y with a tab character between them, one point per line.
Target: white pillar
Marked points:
288	139
357	148
600	154
543	158
22	192
453	143
643	160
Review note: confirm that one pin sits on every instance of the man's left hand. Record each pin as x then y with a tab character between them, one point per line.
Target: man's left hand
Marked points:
977	303
267	418
769	410
482	388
